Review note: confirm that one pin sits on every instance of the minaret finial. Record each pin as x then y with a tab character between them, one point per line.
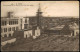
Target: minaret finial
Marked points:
39	8
39	5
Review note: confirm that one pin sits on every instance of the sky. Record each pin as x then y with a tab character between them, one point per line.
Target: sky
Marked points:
49	8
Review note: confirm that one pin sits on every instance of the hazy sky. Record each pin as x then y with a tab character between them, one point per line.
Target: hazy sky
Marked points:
49	8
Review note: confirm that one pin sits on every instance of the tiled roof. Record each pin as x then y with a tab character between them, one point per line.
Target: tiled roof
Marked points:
71	27
74	26
57	27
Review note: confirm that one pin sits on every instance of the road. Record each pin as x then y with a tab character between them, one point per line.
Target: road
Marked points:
49	43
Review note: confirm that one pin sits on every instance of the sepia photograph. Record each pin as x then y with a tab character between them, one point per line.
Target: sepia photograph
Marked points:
40	26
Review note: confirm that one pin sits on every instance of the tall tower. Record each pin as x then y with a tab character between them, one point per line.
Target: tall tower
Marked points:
39	15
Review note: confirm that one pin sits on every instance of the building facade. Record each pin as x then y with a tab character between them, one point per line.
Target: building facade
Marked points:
9	25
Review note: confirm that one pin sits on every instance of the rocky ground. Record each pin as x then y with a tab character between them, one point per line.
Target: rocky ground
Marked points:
49	43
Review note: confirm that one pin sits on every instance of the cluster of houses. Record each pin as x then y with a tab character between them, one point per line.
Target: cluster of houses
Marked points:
14	27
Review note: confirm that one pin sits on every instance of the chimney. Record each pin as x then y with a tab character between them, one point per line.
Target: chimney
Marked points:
10	14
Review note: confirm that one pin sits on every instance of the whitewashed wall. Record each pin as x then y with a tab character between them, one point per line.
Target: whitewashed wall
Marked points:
37	33
27	34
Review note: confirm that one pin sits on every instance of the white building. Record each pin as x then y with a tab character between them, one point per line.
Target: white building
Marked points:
75	29
9	25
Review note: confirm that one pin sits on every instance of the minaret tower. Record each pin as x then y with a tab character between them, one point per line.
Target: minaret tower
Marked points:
39	15
37	30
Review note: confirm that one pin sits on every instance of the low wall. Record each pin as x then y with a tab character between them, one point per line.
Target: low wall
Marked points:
8	41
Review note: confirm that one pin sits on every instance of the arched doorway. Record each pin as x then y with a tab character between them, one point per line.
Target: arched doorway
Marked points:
5	35
9	35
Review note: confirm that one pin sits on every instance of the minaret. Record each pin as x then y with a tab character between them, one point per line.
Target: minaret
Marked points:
39	15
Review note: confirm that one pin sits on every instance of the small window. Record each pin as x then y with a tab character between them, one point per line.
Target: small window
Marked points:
5	29
9	35
1	30
9	29
25	20
9	22
17	22
16	28
2	23
13	29
13	22
25	26
5	22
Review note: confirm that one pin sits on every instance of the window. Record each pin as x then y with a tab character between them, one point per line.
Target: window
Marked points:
9	29
25	20
5	29
13	22
17	22
1	30
9	35
9	22
3	23
13	28
25	26
16	28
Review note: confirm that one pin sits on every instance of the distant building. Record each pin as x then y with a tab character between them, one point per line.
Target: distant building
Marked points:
66	30
24	23
9	25
71	30
74	29
30	29
35	32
